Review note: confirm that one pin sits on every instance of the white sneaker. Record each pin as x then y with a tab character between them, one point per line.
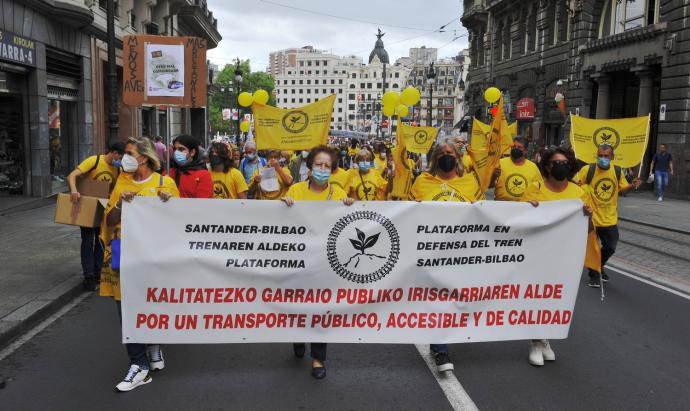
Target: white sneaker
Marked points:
135	377
155	355
660	199
546	351
535	353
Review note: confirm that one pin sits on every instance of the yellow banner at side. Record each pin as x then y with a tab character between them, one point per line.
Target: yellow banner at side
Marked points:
627	136
418	139
293	129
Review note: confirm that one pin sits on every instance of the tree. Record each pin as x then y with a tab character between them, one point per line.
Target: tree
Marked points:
228	99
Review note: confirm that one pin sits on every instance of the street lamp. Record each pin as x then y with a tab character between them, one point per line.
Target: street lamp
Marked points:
430	80
378	114
238	86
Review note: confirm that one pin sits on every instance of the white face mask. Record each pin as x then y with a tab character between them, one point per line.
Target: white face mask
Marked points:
383	156
129	164
305	154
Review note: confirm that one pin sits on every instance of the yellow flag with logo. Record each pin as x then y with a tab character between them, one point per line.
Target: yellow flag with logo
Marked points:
418	139
487	153
627	136
481	131
293	129
402	179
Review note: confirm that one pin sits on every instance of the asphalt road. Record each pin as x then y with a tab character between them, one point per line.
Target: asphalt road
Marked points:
630	352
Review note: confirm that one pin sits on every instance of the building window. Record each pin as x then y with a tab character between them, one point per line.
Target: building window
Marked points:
340	109
332	81
308	100
293	91
301	82
308	81
324	91
397	74
368	85
301	101
352	85
293	100
340	81
340	100
301	64
351	96
351	107
622	15
354	75
309	63
317	62
308	91
317	72
325	62
332	91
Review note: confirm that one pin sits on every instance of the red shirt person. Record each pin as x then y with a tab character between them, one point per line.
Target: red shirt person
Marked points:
190	173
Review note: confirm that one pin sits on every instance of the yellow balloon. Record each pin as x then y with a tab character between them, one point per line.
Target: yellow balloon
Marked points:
388	110
492	94
261	96
410	96
402	110
245	99
244	126
390	98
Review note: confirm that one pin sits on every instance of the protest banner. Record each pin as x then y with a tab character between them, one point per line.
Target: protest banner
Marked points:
226	271
292	129
627	136
418	139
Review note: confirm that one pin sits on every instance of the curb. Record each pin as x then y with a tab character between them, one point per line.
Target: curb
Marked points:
650	278
30	205
657	226
43	306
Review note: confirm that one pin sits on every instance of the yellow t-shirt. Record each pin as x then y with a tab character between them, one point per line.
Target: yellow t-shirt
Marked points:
300	191
110	280
380	164
515	179
341	178
538	191
369	187
431	188
352	151
271	195
603	191
468	163
102	172
402	181
228	185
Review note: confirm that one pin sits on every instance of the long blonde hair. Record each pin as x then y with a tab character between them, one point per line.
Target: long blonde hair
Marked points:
434	168
145	148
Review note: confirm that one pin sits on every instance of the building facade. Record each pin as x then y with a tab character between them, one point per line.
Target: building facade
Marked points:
609	58
279	61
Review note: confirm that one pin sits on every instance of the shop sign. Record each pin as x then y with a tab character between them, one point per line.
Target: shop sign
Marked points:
525	109
17	49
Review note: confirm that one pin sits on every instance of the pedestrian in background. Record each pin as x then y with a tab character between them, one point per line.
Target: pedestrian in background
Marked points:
298	166
515	173
283	177
251	161
662	169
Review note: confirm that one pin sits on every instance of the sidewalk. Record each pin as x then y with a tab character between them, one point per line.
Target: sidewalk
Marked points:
643	207
40	268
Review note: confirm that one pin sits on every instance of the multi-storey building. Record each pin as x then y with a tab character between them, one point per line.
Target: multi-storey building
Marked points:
609	58
279	61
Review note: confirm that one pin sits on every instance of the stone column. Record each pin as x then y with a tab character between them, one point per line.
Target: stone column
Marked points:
602	95
644	100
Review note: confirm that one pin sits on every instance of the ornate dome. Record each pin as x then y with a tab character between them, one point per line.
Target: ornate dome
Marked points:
378	50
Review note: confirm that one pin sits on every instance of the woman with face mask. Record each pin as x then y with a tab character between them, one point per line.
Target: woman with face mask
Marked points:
282	175
228	182
321	162
137	179
558	166
367	183
447	179
188	169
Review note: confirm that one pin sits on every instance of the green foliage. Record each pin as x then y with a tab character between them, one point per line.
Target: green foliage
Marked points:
225	79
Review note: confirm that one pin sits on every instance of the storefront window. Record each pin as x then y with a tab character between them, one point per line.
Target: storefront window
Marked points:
11	147
61	127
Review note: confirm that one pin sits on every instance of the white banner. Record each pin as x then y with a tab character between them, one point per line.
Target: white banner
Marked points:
164	70
221	271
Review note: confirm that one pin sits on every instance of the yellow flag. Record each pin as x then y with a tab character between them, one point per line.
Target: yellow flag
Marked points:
487	153
293	129
627	136
593	255
418	139
402	180
480	135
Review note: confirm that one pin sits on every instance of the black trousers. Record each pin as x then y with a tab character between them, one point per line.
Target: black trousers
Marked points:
135	352
318	350
608	236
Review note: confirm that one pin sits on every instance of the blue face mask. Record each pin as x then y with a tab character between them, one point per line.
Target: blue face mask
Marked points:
251	156
364	166
180	158
321	176
604	163
117	163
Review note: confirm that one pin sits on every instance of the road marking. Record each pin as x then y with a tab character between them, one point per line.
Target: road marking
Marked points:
457	396
646	281
41	326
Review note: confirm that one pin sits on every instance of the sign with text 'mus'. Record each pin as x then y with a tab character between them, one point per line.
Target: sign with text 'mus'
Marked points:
224	271
164	70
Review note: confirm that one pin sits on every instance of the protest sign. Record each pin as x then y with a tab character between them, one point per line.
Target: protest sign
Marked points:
627	136
379	272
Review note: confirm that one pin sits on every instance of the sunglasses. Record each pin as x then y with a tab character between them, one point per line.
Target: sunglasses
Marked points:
558	162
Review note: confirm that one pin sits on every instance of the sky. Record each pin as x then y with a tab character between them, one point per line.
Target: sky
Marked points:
251	29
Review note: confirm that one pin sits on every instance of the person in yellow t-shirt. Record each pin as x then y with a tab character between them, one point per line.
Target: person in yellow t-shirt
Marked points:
228	182
381	159
367	184
321	162
402	175
282	175
340	177
557	166
604	182
100	168
515	173
138	179
447	179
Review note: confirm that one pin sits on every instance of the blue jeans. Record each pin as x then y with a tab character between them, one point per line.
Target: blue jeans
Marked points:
136	352
661	178
439	348
91	252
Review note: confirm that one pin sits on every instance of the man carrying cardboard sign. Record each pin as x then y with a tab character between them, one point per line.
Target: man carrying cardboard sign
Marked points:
104	168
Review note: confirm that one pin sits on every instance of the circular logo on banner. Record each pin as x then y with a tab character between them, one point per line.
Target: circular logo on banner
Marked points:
363	247
606	135
603	189
421	137
516	184
295	121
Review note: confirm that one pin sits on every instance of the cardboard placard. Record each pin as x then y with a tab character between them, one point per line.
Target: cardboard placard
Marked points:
93	188
87	213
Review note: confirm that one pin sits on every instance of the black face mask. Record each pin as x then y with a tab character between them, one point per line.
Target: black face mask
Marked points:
215	161
446	162
560	171
515	153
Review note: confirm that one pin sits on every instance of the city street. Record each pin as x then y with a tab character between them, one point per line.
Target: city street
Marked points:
630	352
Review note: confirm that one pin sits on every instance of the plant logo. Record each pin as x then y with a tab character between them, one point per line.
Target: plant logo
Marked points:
421	136
516	184
220	190
105	176
606	135
604	189
295	121
363	247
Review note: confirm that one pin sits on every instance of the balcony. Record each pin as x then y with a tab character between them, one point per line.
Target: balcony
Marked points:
200	22
74	13
474	13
